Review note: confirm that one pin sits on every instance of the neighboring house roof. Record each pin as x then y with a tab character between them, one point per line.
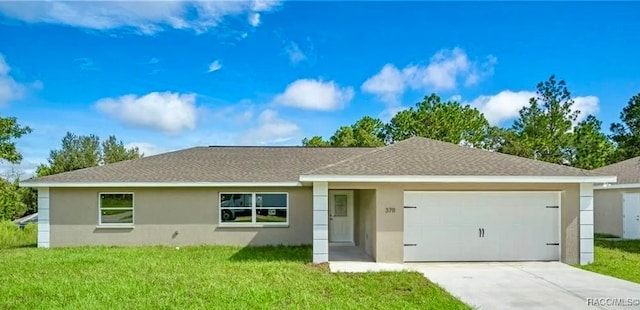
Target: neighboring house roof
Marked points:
247	165
425	157
211	164
628	171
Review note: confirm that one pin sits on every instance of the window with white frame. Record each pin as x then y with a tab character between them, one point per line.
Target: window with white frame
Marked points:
254	208
115	209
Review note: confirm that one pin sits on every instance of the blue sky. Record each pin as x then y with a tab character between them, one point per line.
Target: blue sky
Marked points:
169	75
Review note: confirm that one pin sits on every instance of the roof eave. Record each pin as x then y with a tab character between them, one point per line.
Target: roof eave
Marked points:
617	186
160	184
457	179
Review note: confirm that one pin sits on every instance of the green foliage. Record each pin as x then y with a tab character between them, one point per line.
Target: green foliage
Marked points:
592	149
12	236
202	277
9	131
78	152
13	200
315	141
543	130
447	121
366	132
626	134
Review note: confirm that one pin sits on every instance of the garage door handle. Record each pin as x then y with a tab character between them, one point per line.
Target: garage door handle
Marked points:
553	243
410	244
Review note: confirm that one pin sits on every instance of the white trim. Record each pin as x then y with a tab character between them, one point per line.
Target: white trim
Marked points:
44	218
254	221
117	225
160	184
457	179
320	222
586	221
617	186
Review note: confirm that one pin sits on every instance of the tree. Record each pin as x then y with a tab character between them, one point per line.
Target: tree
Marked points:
12	204
445	121
592	148
9	131
626	134
315	141
543	130
366	132
114	151
79	152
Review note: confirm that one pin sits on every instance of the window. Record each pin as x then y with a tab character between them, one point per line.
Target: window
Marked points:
254	208
116	209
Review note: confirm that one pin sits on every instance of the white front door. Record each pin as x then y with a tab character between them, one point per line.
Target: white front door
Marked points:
631	216
341	217
481	226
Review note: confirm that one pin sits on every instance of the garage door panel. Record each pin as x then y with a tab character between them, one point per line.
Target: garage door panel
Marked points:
447	226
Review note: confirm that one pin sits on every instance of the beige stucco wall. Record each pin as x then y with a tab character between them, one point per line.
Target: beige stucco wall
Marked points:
607	210
366	220
171	216
389	217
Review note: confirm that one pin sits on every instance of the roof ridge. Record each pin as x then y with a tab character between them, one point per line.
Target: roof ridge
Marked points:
375	149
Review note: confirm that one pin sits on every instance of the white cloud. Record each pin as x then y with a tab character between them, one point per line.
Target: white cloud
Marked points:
215	66
444	72
169	112
388	84
146	148
271	129
254	19
294	52
10	89
505	105
315	95
145	17
502	106
586	105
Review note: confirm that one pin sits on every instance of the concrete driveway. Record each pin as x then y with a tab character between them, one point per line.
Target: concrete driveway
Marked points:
530	285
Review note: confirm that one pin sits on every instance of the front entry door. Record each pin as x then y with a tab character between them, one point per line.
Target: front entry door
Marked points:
631	216
341	217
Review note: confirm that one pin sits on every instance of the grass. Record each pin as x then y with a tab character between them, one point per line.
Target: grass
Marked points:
618	259
12	236
202	277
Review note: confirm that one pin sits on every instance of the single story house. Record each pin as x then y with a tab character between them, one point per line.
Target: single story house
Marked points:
414	200
617	206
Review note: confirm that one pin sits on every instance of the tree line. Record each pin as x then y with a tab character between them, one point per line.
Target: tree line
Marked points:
546	129
76	152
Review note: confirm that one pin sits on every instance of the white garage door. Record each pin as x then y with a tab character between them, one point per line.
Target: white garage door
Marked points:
481	226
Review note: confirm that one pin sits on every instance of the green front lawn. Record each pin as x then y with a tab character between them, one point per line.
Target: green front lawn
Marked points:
620	259
201	278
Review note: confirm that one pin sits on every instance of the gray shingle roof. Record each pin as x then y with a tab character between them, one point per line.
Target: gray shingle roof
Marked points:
412	157
627	171
426	157
212	164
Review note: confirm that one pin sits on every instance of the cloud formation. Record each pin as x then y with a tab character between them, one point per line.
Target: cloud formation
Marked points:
310	94
10	89
271	129
505	105
144	17
215	66
445	71
166	111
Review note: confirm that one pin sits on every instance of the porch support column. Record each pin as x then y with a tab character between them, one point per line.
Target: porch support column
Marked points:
320	222
586	223
43	217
